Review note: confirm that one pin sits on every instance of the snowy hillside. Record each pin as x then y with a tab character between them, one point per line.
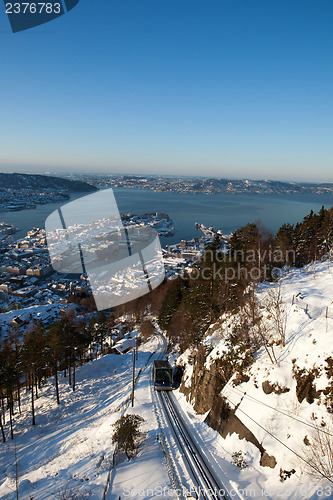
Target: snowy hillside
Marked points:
68	453
284	406
28	316
40	182
272	418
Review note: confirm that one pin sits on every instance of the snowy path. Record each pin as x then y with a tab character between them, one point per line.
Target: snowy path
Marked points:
145	476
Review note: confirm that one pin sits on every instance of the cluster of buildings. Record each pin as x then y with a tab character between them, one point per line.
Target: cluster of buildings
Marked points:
157	220
197	185
180	257
121	257
22	199
26	275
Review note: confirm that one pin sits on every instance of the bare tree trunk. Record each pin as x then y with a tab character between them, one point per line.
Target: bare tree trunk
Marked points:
11	420
36	384
2	430
56	382
273	354
3	409
264	341
74	375
19	396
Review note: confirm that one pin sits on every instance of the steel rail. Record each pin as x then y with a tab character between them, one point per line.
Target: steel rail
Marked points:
208	486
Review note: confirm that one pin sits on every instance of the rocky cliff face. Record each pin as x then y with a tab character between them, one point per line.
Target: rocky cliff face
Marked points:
275	408
205	384
203	389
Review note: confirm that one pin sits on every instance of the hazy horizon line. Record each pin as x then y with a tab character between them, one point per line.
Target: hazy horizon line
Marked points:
163	175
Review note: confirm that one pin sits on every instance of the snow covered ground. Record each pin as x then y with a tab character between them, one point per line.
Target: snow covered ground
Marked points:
279	421
47	313
70	450
145	476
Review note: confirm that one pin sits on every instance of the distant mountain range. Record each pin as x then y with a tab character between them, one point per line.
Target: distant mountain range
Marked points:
261	186
40	182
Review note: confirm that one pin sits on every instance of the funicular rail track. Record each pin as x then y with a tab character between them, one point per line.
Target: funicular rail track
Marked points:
206	485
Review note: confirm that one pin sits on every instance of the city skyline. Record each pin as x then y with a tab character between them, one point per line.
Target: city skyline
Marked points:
226	89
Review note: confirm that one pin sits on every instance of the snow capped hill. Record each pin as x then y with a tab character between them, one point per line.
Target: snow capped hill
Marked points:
276	406
40	182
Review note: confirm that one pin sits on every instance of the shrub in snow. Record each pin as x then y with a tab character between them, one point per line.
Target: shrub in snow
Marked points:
329	388
71	493
238	459
127	434
286	474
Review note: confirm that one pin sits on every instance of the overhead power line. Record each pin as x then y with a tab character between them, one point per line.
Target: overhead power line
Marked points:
283	444
309	424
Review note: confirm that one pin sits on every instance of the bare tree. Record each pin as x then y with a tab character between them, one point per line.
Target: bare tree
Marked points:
259	327
277	312
264	332
319	451
2	429
69	492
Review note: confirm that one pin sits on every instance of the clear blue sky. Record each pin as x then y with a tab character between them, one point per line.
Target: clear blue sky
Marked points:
230	88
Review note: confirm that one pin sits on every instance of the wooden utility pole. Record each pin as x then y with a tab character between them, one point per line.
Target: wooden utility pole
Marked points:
133	378
16	468
32	397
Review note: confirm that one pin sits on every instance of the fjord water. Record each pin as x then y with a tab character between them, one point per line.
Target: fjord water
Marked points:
222	211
